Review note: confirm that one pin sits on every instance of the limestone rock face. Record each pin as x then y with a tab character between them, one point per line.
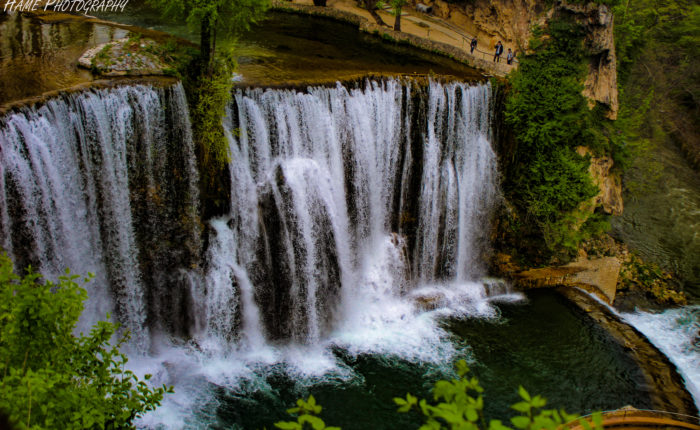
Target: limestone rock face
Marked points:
610	184
509	21
601	81
512	22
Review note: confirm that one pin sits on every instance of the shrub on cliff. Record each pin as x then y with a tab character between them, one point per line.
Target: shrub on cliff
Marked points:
550	118
50	378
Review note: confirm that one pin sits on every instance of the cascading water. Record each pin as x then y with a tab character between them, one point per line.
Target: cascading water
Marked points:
97	182
358	217
338	193
676	332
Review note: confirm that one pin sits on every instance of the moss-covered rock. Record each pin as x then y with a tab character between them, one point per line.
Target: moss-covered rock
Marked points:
132	56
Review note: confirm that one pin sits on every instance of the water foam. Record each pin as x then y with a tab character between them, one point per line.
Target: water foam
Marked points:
676	332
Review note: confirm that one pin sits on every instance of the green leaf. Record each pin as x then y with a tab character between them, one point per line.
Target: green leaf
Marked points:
315	422
598	420
287	425
523	407
539	401
462	368
497	425
584	422
523	393
472	415
404	408
520	422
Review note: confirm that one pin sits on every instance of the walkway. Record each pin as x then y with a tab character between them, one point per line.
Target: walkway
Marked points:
417	29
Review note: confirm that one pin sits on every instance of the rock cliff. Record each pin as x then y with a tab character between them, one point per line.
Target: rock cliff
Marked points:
609	198
512	22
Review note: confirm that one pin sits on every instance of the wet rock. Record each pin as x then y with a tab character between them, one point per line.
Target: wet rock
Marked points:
598	276
429	302
610	184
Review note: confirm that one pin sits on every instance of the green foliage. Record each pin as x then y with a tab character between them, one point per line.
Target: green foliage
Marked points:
53	379
550	118
210	96
306	412
208	78
223	19
458	404
229	18
659	76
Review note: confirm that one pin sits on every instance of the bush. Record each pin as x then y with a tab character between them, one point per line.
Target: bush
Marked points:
458	404
550	118
51	378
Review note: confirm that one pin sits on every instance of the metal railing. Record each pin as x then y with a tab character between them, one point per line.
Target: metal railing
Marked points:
622	413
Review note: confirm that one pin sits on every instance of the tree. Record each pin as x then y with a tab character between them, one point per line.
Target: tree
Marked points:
51	378
550	118
207	82
214	18
371	6
396	6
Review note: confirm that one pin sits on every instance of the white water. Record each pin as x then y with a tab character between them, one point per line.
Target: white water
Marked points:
317	180
349	206
676	332
65	197
329	169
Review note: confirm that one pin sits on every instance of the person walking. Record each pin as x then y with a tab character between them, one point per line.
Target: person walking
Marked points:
510	56
473	45
499	51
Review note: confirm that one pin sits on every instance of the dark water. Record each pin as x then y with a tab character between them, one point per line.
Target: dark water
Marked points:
661	220
545	344
295	49
38	56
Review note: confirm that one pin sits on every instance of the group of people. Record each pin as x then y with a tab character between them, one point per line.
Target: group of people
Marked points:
499	50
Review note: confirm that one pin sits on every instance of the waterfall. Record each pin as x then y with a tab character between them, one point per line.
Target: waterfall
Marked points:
342	198
359	216
104	182
343	202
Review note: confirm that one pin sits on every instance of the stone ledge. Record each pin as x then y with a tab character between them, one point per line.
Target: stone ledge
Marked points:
668	391
597	276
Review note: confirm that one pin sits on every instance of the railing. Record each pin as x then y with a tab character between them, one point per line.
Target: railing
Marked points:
634	414
466	40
